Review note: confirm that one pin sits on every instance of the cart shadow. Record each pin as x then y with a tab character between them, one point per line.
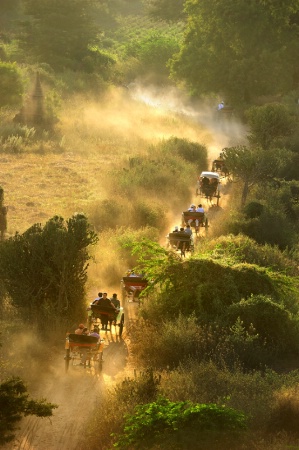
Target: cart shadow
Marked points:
115	355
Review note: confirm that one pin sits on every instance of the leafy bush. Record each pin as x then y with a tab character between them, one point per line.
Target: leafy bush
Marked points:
253	210
175	341
243	249
99	61
271	227
157	421
207	287
192	152
142	388
269	123
156	177
274	325
108	214
11	85
153	51
147	214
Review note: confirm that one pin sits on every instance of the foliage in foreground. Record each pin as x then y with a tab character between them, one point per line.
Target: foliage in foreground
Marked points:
268	399
14	404
159	420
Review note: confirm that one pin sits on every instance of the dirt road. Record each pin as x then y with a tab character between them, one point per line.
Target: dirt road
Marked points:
75	393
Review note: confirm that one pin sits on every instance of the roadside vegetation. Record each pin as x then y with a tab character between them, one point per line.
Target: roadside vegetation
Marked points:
93	180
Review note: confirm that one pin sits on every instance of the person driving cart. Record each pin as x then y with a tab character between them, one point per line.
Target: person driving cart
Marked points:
106	304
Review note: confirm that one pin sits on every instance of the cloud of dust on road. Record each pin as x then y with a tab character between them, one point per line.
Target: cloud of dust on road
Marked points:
221	133
130	121
126	122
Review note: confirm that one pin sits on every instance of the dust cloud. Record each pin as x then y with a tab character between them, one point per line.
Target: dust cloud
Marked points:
124	124
134	116
223	133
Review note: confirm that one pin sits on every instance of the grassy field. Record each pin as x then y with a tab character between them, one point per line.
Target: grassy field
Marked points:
95	140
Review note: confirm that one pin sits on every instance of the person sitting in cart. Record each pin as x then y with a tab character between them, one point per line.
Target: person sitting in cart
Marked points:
176	229
213	185
84	350
205	182
114	300
95	332
200	209
192	208
95	302
188	230
80	329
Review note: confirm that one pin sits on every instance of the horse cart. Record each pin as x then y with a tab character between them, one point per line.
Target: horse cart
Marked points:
195	220
225	113
132	286
107	316
84	351
219	166
208	186
180	241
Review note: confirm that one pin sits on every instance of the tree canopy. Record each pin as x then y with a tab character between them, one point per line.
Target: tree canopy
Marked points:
222	54
59	31
254	165
166	9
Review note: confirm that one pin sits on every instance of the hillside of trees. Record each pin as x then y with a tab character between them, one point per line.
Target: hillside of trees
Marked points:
94	178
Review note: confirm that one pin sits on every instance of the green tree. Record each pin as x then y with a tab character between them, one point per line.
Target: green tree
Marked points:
44	270
269	124
220	53
166	9
14	404
253	165
11	85
153	52
59	32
